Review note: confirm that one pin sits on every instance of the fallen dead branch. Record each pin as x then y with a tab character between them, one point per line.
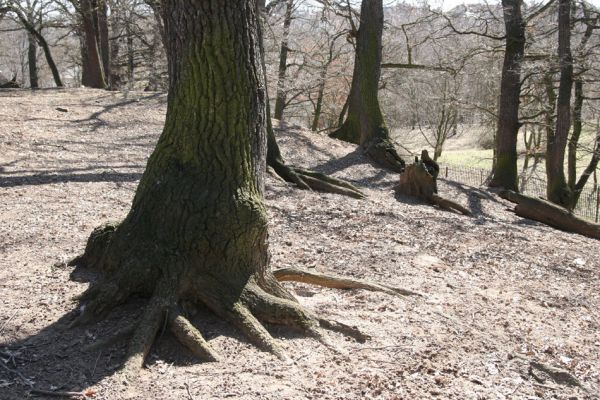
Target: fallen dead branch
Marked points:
550	214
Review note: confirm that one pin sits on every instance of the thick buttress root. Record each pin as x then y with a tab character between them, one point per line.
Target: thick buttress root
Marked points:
310	180
260	299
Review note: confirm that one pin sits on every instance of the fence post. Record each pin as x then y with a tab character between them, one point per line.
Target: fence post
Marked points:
481	176
446	172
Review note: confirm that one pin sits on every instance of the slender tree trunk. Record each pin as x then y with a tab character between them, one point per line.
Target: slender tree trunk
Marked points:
364	124
32	62
283	53
103	40
115	77
130	56
505	170
558	189
319	106
575	135
590	170
92	70
42	42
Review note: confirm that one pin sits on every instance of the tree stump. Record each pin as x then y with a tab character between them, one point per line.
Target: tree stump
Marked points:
420	180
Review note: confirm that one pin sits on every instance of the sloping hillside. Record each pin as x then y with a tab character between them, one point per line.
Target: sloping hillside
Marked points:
504	297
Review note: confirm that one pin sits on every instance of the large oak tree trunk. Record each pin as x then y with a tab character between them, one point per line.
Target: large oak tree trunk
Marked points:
505	168
364	124
197	228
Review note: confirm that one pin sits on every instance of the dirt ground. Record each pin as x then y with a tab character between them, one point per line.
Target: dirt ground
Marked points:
504	298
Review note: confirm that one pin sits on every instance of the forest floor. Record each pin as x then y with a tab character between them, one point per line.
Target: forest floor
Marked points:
504	298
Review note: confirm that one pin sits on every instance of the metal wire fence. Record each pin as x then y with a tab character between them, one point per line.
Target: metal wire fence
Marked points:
588	206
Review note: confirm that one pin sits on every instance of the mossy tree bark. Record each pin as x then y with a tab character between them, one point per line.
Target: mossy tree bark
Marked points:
505	168
364	124
197	228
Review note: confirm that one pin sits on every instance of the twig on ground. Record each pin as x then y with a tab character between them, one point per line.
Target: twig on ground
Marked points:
7	321
187	389
26	381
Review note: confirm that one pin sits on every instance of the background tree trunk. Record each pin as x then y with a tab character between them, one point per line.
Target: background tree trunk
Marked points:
283	53
92	74
103	40
32	62
505	169
364	124
558	189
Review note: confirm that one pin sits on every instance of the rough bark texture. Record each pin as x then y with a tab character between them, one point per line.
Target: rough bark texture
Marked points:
551	214
505	168
558	190
197	228
364	124
92	71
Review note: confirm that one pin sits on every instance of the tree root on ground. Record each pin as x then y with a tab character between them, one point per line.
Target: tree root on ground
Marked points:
449	205
336	282
310	180
247	303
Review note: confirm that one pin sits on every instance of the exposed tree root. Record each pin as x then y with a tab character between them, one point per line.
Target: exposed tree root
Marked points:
347	330
246	303
191	338
336	282
310	180
449	205
120	336
143	337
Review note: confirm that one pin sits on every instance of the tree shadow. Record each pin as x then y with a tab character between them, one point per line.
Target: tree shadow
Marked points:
55	358
475	197
53	177
95	119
